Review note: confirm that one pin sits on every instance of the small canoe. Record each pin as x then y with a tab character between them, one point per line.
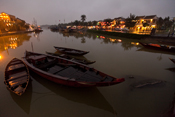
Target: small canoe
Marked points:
173	60
158	47
71	51
16	76
73	58
65	72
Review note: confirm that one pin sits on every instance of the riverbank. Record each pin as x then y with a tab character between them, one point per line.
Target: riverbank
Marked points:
14	32
132	35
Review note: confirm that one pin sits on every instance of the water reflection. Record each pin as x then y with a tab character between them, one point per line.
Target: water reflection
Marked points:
89	96
24	101
0	57
36	35
155	51
13	41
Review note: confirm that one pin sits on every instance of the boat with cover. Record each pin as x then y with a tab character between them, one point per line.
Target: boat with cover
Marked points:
82	60
173	60
16	76
71	51
158	47
66	72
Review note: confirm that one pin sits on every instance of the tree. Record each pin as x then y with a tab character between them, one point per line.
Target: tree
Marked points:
76	23
108	21
83	18
129	21
94	23
160	23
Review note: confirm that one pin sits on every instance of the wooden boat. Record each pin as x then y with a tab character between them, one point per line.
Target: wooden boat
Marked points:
159	47
73	58
66	72
16	76
71	51
173	60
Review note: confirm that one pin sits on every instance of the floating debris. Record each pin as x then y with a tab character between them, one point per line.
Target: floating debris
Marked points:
147	83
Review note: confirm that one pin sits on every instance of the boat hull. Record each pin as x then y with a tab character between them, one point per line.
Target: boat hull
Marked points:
158	47
17	76
71	81
71	51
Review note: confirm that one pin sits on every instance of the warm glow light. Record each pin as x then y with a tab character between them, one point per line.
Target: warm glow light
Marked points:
102	37
135	43
119	40
112	40
0	57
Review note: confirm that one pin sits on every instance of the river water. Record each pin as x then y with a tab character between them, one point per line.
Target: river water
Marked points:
148	90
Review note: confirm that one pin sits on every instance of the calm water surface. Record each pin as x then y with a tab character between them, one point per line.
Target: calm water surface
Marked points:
147	92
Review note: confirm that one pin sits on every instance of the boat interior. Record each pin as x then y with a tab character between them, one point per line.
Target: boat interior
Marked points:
16	76
68	69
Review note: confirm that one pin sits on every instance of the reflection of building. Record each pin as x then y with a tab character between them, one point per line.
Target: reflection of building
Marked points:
12	41
145	22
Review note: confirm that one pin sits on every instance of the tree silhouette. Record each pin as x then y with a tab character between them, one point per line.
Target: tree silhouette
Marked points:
83	18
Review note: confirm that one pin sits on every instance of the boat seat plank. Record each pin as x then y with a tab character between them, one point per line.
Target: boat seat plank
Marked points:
94	74
90	76
17	75
17	82
77	75
17	66
15	62
19	89
55	69
67	72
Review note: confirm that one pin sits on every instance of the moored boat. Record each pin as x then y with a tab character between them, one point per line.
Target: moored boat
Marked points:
66	72
73	58
158	47
16	76
71	51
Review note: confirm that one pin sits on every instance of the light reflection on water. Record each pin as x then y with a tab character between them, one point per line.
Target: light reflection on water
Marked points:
147	91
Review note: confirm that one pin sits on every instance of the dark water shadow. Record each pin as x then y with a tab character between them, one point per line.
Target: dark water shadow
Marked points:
155	51
89	96
171	69
24	101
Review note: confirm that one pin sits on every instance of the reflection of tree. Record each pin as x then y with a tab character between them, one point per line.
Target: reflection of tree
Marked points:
105	39
127	45
94	37
159	57
36	34
83	40
12	41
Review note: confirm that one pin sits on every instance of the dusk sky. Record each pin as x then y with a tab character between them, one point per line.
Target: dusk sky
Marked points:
51	11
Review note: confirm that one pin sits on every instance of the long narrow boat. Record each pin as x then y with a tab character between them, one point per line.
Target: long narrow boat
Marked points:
73	58
16	76
173	60
159	47
66	72
71	51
